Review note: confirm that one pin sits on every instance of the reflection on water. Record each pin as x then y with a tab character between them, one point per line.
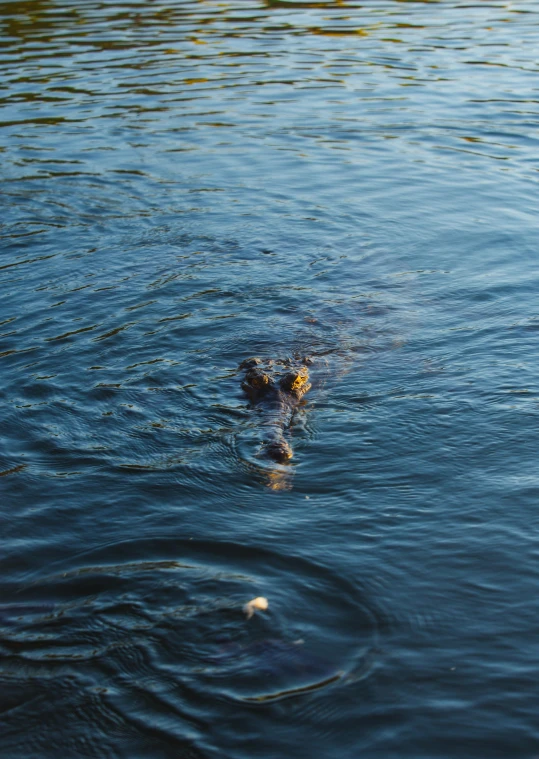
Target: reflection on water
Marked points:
189	184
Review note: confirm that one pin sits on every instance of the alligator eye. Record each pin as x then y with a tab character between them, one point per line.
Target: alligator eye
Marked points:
257	379
295	380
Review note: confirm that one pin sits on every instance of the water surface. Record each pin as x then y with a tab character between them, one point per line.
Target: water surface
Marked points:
189	184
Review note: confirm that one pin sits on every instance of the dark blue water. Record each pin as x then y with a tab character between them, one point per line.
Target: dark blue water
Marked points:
186	185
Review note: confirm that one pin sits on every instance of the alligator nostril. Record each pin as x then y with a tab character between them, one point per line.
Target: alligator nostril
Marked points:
279	451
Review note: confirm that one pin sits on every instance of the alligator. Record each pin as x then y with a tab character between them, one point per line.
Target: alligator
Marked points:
276	388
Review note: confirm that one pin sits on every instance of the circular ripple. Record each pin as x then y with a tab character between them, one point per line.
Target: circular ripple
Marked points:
183	602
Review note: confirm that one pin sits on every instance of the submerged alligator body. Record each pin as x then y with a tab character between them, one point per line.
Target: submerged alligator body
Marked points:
276	388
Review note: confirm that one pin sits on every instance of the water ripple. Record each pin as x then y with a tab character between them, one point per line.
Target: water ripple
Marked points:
188	185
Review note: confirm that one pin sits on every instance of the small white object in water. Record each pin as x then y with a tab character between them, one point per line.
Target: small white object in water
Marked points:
257	604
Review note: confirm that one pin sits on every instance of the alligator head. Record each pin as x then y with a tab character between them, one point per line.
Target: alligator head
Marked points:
276	388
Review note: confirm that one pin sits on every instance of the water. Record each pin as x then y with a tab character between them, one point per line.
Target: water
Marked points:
189	184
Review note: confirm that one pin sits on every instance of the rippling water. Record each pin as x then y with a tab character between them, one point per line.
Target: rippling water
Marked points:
189	184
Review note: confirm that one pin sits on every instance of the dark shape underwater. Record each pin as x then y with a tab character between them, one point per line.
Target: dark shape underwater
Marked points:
275	668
